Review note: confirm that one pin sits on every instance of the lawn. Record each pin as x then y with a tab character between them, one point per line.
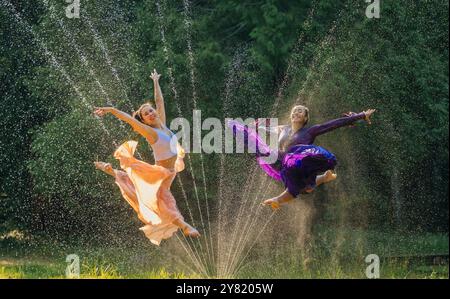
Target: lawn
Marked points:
330	256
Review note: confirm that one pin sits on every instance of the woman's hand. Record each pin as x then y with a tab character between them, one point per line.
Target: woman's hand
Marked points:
155	76
101	111
368	114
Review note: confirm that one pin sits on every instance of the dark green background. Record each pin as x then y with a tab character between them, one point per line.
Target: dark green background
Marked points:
392	175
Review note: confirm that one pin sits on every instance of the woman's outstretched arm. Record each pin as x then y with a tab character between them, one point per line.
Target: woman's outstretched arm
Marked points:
159	100
340	122
144	130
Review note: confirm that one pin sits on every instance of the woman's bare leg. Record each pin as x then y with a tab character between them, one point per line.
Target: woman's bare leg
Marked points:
326	177
279	200
187	229
285	197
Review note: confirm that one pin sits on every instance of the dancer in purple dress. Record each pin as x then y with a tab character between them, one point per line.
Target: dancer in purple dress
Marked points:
301	166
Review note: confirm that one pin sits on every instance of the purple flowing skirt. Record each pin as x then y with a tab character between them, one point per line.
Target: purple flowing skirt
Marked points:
297	168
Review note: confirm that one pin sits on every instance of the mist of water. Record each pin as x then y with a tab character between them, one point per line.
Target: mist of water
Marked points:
240	223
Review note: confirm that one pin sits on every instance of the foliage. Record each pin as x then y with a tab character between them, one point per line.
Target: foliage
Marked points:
330	55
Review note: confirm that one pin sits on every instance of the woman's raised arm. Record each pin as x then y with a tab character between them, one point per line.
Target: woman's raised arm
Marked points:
159	100
143	129
349	119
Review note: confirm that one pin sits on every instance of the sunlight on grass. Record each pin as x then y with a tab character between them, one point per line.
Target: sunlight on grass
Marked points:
330	257
88	271
9	272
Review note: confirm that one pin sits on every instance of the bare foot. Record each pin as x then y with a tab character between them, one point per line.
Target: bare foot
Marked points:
273	203
191	232
105	167
329	176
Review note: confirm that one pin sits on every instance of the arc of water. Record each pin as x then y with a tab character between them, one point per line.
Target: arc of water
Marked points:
187	23
85	62
53	60
83	59
284	82
246	229
279	96
230	82
183	264
70	39
80	53
326	41
197	263
237	226
219	218
102	46
56	64
175	93
99	42
250	187
253	244
305	26
239	230
183	191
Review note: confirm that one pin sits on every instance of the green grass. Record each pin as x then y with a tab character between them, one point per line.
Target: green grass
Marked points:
329	269
29	269
340	253
17	269
285	269
43	261
335	253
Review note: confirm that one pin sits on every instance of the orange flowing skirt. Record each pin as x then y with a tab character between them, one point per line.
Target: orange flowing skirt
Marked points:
146	188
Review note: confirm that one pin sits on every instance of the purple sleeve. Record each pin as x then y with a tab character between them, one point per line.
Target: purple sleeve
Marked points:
334	124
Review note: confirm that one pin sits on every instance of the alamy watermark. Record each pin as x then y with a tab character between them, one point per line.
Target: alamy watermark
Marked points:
373	9
248	136
73	9
373	270
73	266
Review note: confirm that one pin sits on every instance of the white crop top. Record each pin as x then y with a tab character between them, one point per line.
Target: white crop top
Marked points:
166	146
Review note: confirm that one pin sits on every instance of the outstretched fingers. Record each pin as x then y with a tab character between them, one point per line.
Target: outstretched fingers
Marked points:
368	114
154	75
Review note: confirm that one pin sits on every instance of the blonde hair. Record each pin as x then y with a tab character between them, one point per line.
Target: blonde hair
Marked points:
306	112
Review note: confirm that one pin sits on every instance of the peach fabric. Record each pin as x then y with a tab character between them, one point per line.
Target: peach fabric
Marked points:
146	188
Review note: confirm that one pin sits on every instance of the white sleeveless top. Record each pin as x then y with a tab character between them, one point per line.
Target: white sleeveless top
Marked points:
166	146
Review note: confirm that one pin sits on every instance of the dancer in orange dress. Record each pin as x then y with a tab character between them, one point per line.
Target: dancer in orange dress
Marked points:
144	186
